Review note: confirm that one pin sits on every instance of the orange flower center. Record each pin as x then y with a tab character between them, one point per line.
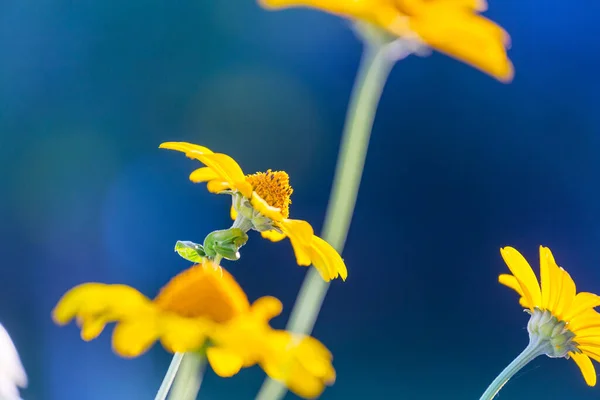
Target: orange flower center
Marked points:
274	188
201	291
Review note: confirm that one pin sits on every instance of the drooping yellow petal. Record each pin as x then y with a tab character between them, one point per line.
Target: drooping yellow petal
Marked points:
94	299
229	170
327	260
587	368
300	234
521	269
225	363
232	213
260	205
273	236
203	174
134	337
182	334
582	302
469	38
266	308
302	363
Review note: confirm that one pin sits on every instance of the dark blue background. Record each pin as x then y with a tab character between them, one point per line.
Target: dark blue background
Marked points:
459	166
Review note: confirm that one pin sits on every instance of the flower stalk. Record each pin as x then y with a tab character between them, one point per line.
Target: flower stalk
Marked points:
378	58
534	349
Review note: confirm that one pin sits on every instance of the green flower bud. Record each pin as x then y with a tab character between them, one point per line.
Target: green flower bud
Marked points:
226	243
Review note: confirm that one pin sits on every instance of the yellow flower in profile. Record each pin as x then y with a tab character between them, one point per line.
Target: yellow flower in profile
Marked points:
201	309
453	27
261	202
563	323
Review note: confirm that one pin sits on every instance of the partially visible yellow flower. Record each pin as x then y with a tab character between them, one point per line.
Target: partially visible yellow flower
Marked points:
261	202
201	307
453	27
563	322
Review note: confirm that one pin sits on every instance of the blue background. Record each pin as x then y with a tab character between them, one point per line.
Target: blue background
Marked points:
459	166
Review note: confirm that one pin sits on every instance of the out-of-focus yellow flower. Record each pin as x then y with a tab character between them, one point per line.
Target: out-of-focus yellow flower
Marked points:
453	27
201	308
564	321
261	202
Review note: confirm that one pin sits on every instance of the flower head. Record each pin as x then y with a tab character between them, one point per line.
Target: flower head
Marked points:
201	308
563	323
261	202
12	373
453	27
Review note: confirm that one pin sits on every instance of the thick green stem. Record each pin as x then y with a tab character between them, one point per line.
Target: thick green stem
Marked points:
188	380
374	70
534	349
170	375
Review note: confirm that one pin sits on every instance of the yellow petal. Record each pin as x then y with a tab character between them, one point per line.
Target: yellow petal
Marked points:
217	186
232	213
582	302
382	13
587	368
587	319
92	299
92	326
180	334
303	364
266	308
300	234
229	170
188	148
327	260
260	205
201	291
522	271
203	174
273	236
567	294
467	37
225	363
545	256
134	337
512	282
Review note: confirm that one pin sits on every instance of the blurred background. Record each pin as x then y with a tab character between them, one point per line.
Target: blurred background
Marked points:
459	166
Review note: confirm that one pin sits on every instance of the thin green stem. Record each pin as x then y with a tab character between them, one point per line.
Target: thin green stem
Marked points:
534	349
188	380
170	375
375	67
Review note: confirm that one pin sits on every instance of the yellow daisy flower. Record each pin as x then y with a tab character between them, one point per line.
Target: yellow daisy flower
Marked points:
563	323
261	202
453	27
201	308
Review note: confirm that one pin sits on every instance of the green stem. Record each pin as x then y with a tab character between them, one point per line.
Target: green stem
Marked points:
188	380
170	375
534	348
375	67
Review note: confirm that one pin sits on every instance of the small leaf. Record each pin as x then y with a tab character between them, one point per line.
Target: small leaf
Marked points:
190	251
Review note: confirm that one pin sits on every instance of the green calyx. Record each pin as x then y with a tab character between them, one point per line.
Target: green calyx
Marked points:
226	243
545	328
247	217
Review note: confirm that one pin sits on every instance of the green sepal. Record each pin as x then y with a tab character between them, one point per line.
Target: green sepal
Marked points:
226	243
190	251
